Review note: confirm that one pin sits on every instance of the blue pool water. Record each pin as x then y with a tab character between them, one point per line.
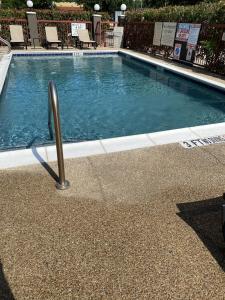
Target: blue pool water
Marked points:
100	97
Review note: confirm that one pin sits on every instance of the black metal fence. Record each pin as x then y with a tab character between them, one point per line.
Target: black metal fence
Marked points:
63	28
210	50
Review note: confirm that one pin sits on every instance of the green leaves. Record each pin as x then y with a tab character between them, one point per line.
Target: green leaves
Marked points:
203	12
50	14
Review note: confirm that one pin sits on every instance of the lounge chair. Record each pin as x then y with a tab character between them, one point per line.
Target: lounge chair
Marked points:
17	37
52	39
84	38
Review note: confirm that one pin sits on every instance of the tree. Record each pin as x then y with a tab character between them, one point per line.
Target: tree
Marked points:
106	5
161	3
22	3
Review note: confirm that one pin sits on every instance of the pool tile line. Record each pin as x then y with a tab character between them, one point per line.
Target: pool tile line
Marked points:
67	53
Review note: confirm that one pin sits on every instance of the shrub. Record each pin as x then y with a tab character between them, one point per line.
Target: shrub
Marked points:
50	14
203	12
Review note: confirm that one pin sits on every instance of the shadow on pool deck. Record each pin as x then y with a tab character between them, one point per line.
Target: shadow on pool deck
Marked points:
45	165
5	291
205	217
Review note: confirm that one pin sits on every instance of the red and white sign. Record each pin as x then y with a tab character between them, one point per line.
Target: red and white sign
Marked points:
182	33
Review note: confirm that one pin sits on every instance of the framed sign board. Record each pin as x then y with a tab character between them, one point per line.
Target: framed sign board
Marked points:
182	33
76	26
168	33
177	51
193	35
157	33
223	36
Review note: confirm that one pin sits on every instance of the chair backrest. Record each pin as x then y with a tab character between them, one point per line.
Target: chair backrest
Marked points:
16	32
51	34
83	35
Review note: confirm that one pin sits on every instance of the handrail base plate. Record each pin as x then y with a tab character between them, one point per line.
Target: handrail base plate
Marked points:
63	186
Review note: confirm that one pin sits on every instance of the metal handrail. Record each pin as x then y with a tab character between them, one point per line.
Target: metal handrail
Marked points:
6	43
53	108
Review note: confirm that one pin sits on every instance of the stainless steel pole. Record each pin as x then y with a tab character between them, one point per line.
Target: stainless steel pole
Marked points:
62	184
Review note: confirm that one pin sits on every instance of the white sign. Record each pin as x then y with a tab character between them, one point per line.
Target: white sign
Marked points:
168	33
77	53
223	36
193	35
118	13
203	142
76	26
157	33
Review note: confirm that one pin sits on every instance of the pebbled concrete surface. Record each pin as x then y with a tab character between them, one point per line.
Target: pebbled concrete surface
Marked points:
141	224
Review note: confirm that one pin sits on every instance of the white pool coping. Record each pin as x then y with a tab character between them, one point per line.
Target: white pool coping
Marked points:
4	66
23	157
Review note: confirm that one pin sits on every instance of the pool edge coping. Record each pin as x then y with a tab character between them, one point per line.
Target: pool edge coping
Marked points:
35	155
4	66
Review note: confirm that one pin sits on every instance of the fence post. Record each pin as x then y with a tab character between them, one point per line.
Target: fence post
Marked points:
33	28
96	28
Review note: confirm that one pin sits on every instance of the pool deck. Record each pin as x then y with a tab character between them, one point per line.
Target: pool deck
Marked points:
139	224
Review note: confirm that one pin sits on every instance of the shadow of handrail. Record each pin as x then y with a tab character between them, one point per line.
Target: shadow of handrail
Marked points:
44	164
5	291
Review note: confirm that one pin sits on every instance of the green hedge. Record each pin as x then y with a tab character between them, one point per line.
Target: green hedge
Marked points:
203	12
50	14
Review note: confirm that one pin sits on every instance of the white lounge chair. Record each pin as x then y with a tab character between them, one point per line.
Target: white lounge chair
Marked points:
52	37
84	38
17	37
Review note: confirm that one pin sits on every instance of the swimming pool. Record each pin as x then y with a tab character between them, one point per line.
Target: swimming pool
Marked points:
100	97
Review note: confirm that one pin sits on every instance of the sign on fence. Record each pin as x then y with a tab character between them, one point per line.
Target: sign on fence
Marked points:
76	26
223	36
177	50
183	30
168	33
187	36
157	33
193	35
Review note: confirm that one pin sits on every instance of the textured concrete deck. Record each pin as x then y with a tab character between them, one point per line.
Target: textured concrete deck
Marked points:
141	224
